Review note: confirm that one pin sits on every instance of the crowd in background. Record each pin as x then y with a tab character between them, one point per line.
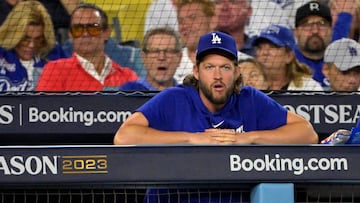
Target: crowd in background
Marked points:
44	47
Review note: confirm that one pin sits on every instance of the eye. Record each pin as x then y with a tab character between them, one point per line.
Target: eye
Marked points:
227	67
209	67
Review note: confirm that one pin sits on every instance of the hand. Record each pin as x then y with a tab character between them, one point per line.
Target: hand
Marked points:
223	136
348	6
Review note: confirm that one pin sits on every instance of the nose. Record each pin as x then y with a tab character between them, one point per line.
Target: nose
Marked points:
31	43
162	55
217	73
353	77
262	51
315	28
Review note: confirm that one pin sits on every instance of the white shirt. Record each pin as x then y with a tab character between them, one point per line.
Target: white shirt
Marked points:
308	84
90	68
185	67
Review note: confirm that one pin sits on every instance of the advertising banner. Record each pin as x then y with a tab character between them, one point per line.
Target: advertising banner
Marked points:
103	113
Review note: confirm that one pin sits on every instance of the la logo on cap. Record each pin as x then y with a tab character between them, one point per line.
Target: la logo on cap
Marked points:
215	39
352	51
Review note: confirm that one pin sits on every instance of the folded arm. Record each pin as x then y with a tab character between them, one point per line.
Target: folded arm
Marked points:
296	131
136	130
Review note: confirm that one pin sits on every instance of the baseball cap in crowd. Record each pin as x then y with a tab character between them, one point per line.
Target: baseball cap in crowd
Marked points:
219	42
344	53
312	8
279	35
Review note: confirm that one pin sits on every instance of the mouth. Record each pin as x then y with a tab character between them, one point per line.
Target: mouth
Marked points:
161	68
219	87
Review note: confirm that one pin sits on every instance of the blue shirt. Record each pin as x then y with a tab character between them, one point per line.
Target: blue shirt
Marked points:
181	109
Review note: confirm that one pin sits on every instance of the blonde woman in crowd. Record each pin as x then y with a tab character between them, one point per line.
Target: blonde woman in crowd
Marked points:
252	72
27	43
275	50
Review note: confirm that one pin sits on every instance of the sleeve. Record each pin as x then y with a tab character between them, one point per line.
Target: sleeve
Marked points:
159	110
342	26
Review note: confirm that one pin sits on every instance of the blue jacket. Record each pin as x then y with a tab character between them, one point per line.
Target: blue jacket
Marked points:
13	75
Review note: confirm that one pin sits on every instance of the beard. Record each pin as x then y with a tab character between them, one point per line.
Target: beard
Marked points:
210	96
315	44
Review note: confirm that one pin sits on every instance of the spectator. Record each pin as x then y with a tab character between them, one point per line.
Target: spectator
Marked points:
59	10
161	56
89	68
232	17
275	50
342	65
161	13
125	56
252	72
194	18
313	32
208	103
27	42
212	108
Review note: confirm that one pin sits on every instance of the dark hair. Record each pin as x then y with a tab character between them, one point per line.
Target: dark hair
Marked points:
103	16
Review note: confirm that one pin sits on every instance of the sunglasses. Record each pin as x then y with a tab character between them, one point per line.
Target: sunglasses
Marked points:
77	30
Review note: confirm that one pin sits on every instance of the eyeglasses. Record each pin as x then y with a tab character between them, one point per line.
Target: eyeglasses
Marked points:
322	25
38	41
77	30
159	51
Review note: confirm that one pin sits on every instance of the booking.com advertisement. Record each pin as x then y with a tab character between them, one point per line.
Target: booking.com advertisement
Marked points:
163	164
103	114
65	114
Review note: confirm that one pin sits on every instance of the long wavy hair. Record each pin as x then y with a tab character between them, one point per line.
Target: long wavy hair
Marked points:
26	13
297	70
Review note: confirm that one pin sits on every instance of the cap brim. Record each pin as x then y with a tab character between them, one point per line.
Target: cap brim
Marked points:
223	52
273	40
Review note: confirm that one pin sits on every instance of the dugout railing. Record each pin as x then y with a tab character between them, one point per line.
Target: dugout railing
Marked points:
122	173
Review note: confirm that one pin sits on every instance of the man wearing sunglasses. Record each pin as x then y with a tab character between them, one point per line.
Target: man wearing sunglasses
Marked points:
89	68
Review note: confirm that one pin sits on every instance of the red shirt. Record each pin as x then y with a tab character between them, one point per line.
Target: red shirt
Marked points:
68	75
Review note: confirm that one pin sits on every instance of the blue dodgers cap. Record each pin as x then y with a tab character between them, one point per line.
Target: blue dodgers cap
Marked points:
279	35
217	41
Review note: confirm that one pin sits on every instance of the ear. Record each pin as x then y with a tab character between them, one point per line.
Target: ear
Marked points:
143	56
107	32
196	72
179	57
290	56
